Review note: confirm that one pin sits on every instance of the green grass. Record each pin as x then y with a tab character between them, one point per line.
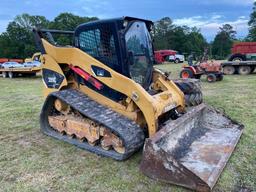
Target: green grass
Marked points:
31	161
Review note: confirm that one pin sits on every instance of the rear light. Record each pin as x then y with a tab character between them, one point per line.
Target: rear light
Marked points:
52	79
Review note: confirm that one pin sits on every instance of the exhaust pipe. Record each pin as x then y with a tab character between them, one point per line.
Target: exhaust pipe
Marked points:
193	150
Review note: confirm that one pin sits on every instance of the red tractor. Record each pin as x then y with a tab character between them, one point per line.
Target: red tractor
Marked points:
212	69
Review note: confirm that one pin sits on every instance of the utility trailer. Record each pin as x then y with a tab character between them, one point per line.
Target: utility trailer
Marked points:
24	71
239	67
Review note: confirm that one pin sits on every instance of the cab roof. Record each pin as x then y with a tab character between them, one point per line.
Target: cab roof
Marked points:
119	20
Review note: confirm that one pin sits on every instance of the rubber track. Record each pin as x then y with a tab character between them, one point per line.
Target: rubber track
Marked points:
130	133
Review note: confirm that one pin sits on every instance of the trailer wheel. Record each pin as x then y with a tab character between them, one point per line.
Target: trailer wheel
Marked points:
5	75
229	70
211	78
186	73
244	70
252	69
10	74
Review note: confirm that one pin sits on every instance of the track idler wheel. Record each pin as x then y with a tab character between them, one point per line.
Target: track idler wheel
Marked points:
61	106
85	130
110	140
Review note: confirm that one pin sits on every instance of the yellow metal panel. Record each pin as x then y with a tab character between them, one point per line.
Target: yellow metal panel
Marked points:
151	106
52	65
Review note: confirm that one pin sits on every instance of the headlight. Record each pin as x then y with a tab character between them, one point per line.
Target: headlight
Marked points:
52	79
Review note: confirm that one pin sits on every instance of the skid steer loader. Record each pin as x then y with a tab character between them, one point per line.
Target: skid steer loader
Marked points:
103	94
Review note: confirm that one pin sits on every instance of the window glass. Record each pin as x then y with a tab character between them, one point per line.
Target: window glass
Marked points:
138	41
100	44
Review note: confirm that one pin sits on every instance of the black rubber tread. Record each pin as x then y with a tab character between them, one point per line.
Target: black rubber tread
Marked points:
193	99
127	130
188	86
241	72
233	57
228	72
192	91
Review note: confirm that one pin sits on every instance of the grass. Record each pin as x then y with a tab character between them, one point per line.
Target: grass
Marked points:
31	161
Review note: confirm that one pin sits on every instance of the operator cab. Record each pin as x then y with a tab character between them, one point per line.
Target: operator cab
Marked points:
123	44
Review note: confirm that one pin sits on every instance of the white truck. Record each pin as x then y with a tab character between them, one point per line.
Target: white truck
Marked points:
15	72
177	58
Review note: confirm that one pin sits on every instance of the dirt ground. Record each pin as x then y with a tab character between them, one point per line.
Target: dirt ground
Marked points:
31	161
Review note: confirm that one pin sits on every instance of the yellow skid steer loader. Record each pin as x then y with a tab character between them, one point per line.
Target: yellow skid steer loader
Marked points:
103	94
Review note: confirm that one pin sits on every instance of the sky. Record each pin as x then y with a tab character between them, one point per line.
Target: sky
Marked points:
208	15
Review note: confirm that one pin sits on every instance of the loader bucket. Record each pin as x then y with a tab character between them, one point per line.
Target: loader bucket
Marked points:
193	150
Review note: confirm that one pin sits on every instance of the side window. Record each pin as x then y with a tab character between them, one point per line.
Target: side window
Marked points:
89	42
100	44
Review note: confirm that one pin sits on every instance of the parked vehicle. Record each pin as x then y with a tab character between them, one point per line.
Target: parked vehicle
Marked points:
238	67
245	51
32	64
163	55
177	58
8	65
212	69
243	59
6	60
19	71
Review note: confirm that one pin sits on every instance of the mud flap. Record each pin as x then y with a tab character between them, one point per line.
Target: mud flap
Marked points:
193	150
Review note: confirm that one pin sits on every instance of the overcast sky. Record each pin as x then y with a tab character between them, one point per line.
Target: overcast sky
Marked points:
208	15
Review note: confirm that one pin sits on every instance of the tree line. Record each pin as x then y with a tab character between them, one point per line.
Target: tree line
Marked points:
18	40
190	40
